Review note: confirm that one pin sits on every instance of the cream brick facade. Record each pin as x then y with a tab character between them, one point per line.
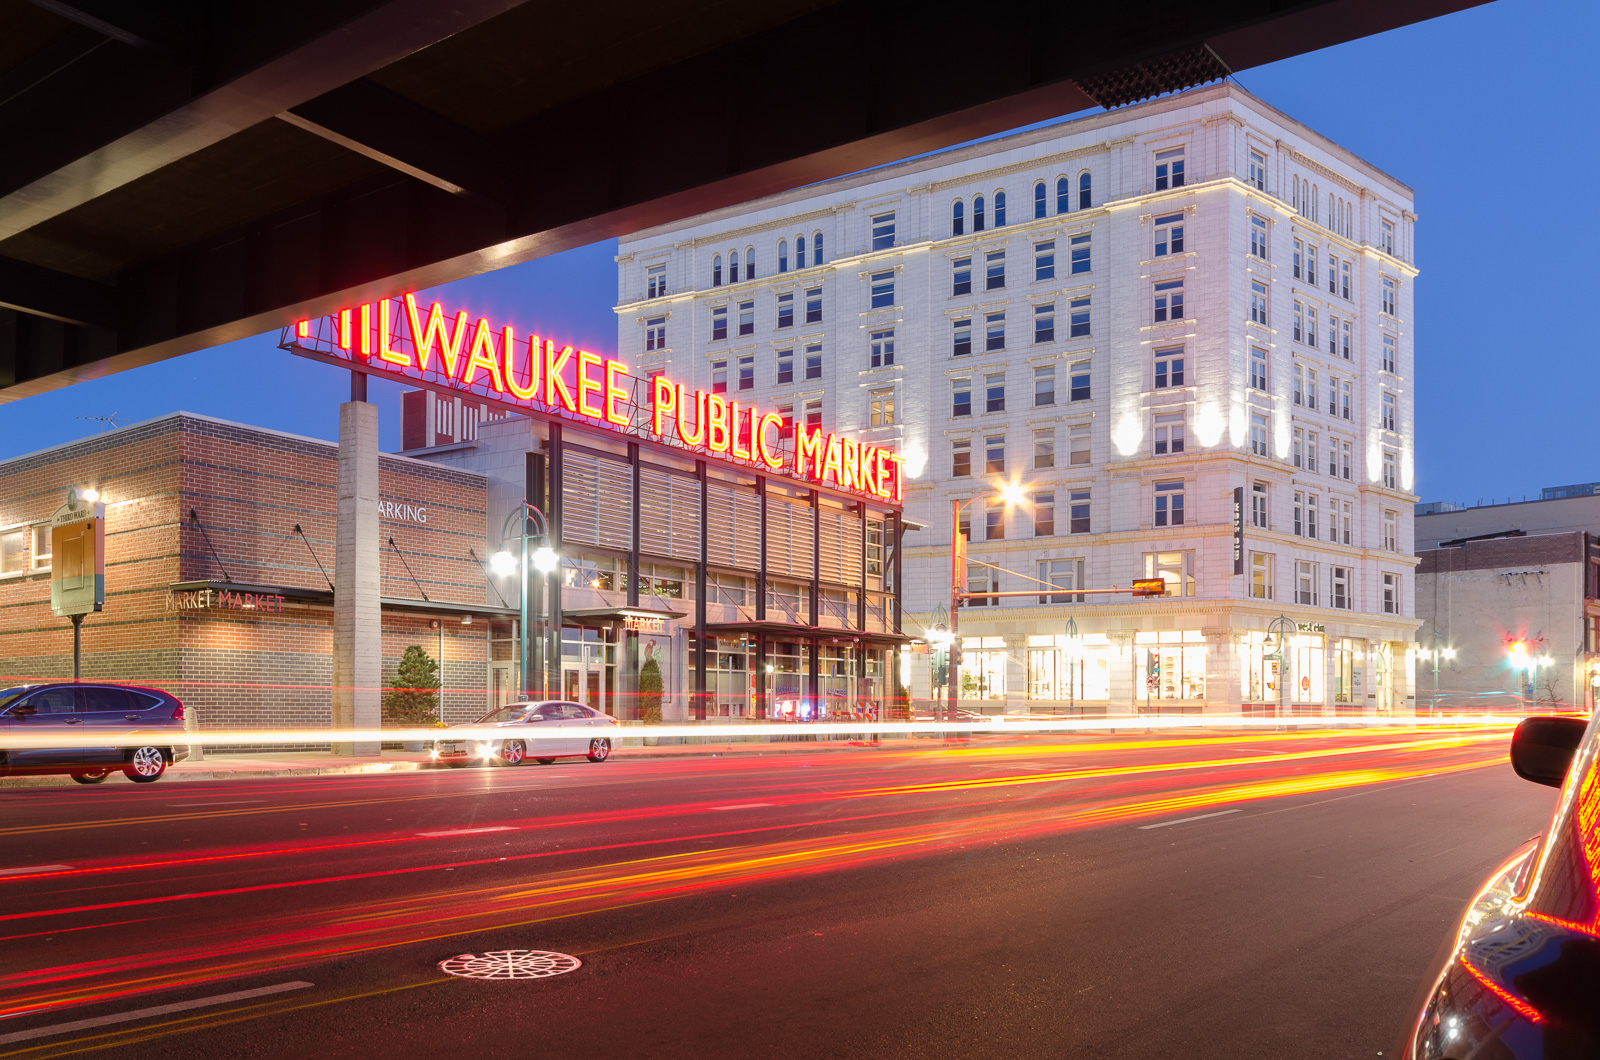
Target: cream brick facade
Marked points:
1247	168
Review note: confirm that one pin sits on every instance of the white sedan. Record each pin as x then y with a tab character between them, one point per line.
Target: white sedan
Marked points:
542	730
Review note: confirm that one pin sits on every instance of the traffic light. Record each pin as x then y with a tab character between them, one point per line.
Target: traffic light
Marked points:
1519	655
1149	587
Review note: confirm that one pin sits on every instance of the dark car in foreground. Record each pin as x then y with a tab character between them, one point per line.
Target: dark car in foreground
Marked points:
143	730
541	730
1523	978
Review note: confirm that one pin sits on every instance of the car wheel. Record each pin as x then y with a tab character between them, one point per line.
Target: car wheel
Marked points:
546	761
94	776
512	752
145	765
599	750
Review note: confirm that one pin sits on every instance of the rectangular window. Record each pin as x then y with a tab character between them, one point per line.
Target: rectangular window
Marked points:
1389	358
813	411
961	333
994	392
1169	504
978	585
1391	478
1344	279
1391	594
655	333
747	318
1258	368
1333	456
1078	444
1078	382
1258	171
1311	516
1305	583
1344	399
786	411
785	366
1386	412
1168	434
1044	448
1333	335
1174	568
1297	444
1169	367
1386	238
1079	512
1044	322
1169	234
1044	260
1079	245
1260	576
1169	169
1258	505
1333	395
994	331
1299	514
719	377
786	310
1333	274
1348	520
882	290
814	305
1344	338
1311	266
747	371
1258	302
1345	452
882	411
961	458
1259	434
1339	588
1044	385
14	551
655	281
1079	322
1298	384
1311	326
814	362
1311	389
1169	301
961	276
960	397
719	322
1388	296
883	231
1044	513
1258	237
1063	574
1391	531
881	349
994	454
994	265
1299	259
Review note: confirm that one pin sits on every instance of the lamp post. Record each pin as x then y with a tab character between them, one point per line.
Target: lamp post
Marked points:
1280	627
544	559
939	640
1012	494
1074	638
1448	653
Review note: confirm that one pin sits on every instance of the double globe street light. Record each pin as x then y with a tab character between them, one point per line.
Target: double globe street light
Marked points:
541	558
1012	494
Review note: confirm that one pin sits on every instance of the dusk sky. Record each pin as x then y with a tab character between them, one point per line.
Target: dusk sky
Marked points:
1477	111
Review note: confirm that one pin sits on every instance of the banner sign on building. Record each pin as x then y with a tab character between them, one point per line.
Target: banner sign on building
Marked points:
397	337
223	600
1238	530
78	551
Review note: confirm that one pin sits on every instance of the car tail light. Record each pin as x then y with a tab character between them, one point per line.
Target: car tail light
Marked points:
177	711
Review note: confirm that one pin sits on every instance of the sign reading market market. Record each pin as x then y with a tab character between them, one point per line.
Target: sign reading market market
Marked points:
396	336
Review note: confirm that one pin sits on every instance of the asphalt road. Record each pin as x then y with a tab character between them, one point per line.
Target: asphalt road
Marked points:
1116	896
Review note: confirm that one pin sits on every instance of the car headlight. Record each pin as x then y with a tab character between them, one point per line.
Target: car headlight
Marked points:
486	750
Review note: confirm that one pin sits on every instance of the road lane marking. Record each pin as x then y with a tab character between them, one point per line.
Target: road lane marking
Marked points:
31	869
142	1013
742	806
1186	820
470	831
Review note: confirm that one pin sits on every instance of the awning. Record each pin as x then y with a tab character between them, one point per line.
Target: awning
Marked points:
213	595
790	629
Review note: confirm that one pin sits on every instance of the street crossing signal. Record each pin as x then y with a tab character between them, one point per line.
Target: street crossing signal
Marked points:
1149	587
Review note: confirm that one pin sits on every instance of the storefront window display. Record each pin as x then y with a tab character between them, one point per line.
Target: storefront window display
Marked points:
788	663
728	678
1069	668
1172	665
983	667
1344	656
1306	670
1260	672
588	667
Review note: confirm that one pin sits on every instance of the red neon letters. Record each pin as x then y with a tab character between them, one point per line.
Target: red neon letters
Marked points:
539	374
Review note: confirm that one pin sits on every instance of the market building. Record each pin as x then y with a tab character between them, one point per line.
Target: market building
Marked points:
1183	329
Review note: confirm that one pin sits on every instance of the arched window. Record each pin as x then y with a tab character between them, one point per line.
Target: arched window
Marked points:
1294	192
958	218
783	255
733	266
977	213
1085	190
799	252
999	208
749	263
1063	194
1315	195
1041	200
816	248
716	270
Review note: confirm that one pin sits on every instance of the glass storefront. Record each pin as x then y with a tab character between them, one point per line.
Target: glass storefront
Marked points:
1346	697
1069	669
983	667
589	667
1306	669
1172	665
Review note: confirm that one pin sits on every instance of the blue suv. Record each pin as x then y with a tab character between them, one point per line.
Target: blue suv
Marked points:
143	730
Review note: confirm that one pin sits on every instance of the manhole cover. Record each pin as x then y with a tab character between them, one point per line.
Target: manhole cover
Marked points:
511	964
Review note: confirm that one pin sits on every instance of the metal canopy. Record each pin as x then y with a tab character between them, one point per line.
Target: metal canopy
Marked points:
178	175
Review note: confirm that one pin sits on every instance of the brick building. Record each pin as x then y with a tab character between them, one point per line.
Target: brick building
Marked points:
220	564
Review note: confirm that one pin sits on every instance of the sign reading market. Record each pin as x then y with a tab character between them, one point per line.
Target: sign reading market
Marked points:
398	337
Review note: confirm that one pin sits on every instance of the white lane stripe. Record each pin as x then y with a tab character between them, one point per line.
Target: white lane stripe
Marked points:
142	1013
743	806
1186	820
470	831
29	870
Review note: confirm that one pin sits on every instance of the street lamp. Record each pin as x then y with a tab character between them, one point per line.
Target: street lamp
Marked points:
1074	639
1281	628
1011	493
543	559
1437	652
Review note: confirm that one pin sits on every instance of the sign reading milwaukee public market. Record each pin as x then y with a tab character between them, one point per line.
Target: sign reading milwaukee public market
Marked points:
395	336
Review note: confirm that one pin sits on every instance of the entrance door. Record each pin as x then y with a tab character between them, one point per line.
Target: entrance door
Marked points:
502	690
595	699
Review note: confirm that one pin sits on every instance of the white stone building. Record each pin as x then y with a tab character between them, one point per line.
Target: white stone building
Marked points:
1131	315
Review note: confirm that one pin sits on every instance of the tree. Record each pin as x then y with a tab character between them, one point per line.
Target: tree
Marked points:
650	692
413	696
1549	690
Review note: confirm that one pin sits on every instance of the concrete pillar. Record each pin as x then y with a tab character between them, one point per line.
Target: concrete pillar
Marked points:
1224	675
357	621
1124	688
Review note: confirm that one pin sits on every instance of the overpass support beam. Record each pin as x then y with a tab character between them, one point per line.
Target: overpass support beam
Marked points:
357	620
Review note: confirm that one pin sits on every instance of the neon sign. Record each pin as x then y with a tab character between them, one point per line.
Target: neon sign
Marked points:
397	337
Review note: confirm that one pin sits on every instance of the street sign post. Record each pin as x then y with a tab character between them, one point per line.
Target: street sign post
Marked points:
78	564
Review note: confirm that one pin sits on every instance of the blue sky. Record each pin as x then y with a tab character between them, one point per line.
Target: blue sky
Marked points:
1482	112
